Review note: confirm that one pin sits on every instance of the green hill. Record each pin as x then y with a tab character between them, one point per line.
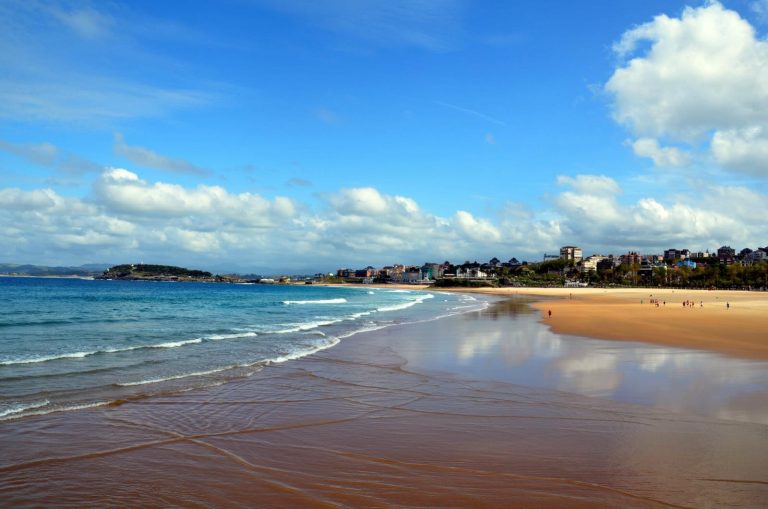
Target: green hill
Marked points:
155	273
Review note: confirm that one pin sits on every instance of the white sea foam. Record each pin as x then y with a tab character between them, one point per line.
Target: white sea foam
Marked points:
307	326
218	337
405	305
80	355
303	353
320	301
175	377
175	344
295	355
66	408
374	326
21	407
34	360
370	327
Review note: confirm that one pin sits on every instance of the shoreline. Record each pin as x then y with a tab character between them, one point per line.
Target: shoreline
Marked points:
728	322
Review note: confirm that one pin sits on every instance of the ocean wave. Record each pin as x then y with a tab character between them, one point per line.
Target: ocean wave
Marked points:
406	305
301	327
170	344
80	355
65	408
381	324
309	350
370	327
218	337
18	408
177	377
35	360
340	300
303	353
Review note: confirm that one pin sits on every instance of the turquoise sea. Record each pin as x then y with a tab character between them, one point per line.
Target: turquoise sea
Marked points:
67	344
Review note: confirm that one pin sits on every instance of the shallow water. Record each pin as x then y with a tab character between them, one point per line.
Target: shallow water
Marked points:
69	344
514	347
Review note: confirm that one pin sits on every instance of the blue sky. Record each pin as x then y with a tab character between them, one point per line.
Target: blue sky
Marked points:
261	135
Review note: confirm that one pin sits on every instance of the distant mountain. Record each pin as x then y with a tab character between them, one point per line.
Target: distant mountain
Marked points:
15	269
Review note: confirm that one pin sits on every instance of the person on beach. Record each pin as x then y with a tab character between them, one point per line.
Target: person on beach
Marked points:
549	313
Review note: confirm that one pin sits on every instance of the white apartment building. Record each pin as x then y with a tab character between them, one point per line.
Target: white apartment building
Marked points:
571	254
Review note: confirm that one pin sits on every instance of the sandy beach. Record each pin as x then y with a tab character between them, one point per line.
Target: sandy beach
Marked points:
729	322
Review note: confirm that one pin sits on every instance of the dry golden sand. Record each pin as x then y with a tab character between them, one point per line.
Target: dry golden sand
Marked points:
628	314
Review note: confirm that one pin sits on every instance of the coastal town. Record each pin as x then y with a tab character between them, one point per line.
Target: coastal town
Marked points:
723	268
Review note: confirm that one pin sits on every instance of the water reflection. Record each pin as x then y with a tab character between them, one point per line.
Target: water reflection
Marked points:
514	347
511	307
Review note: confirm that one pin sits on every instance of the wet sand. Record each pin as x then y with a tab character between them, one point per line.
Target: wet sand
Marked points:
730	322
408	416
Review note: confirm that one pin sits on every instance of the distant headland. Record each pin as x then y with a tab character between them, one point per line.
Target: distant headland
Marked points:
148	272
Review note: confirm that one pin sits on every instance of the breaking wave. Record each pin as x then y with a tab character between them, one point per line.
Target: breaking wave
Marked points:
320	301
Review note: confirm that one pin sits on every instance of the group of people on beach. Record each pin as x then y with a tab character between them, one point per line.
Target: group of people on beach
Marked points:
686	303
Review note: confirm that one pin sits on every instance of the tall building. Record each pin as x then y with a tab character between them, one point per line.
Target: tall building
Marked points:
631	258
671	255
571	254
589	264
726	254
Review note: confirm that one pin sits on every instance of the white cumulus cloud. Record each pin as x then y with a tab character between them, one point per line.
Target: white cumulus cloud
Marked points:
128	218
709	218
200	208
480	230
689	78
743	149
